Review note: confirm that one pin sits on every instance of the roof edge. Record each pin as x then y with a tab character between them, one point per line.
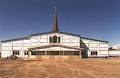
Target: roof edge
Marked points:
14	39
54	32
95	39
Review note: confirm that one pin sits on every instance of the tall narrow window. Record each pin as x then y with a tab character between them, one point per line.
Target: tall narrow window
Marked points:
58	39
93	52
16	52
55	39
50	39
25	52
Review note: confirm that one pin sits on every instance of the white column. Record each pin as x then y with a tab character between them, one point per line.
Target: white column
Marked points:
80	53
29	53
45	52
98	53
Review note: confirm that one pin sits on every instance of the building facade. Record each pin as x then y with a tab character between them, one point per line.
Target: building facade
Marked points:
54	43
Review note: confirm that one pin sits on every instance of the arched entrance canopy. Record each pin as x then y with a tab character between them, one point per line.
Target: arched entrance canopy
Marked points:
55	50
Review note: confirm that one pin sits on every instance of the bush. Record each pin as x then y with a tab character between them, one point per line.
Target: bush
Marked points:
12	57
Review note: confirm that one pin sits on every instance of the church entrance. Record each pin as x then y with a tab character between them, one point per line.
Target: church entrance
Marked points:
55	51
56	54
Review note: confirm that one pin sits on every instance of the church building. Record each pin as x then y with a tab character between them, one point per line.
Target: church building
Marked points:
54	43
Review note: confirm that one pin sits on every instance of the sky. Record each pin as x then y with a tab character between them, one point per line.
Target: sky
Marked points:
98	19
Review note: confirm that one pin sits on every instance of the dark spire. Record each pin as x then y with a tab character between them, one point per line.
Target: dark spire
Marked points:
55	22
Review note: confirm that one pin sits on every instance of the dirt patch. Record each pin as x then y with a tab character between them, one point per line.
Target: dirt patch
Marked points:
83	68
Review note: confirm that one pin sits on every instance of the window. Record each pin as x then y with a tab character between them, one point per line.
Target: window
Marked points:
54	39
76	53
25	52
16	52
53	53
68	53
50	39
38	53
58	39
60	52
93	52
33	53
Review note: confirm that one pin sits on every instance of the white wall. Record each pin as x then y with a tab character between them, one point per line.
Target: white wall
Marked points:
35	41
42	40
67	40
8	47
114	53
70	40
100	47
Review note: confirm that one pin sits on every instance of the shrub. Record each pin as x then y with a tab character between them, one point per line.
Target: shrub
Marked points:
12	57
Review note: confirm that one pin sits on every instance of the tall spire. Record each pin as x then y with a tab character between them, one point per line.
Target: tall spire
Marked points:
55	22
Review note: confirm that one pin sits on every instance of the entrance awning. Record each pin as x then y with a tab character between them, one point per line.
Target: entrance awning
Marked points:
54	48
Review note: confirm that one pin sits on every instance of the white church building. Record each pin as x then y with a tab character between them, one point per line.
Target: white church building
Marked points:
54	43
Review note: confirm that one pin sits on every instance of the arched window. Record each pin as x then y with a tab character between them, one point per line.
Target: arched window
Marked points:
55	39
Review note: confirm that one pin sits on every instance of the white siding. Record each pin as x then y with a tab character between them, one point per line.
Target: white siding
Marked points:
100	47
43	40
114	53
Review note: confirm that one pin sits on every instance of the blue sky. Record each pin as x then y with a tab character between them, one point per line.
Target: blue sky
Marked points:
99	19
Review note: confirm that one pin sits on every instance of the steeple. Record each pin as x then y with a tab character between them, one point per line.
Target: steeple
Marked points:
55	22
